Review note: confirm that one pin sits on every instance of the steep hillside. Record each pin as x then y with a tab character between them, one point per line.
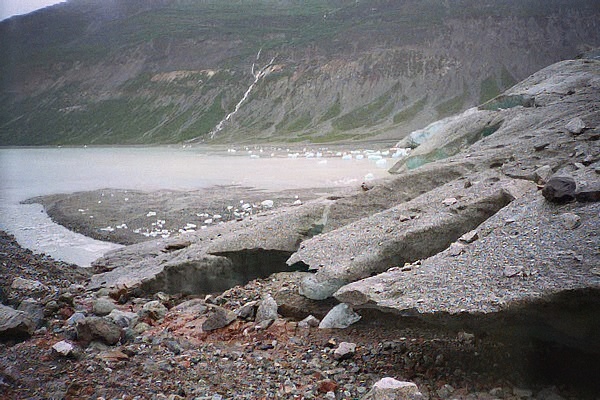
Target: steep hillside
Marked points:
165	71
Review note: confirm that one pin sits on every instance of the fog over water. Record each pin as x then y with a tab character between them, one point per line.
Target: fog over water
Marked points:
29	172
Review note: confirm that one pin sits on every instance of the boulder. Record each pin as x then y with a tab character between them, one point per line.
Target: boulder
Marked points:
340	317
153	309
103	306
392	389
14	324
560	189
575	126
218	317
267	309
344	351
34	310
98	328
124	319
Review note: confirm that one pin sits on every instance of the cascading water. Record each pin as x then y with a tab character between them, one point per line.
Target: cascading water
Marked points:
261	73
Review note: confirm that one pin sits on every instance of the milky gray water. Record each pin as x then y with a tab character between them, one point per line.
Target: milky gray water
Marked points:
29	172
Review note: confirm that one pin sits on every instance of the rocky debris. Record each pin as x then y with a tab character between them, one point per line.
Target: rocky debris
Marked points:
29	286
14	324
98	328
174	357
392	389
560	189
340	317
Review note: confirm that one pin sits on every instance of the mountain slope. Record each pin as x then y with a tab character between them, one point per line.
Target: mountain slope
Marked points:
166	71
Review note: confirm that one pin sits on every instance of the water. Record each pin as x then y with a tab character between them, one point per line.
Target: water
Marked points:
29	172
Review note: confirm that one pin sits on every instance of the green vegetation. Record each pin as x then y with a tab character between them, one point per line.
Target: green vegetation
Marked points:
367	115
333	111
453	105
408	113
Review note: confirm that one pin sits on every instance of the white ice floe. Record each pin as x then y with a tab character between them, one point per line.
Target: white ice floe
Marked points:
347	157
151	214
369	177
382	163
267	204
360	157
122	226
208	221
108	229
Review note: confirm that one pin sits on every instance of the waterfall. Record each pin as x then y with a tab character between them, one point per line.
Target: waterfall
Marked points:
264	71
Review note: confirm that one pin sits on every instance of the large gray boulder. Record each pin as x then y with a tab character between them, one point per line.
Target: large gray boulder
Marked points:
14	324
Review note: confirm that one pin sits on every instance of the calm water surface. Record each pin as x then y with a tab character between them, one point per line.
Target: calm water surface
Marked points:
29	172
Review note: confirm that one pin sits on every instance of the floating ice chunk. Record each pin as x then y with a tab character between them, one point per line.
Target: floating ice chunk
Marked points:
122	226
359	156
381	163
267	204
229	208
254	156
246	206
81	210
126	198
369	177
338	154
208	221
190	226
108	229
309	154
374	157
319	154
151	214
217	217
347	157
298	202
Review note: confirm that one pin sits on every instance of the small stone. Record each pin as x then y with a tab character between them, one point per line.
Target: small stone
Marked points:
339	317
445	391
247	311
575	126
560	189
76	317
141	328
449	201
543	174
403	218
103	306
456	249
513	270
63	348
469	237
570	221
392	389
310	321
541	146
267	309
344	351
